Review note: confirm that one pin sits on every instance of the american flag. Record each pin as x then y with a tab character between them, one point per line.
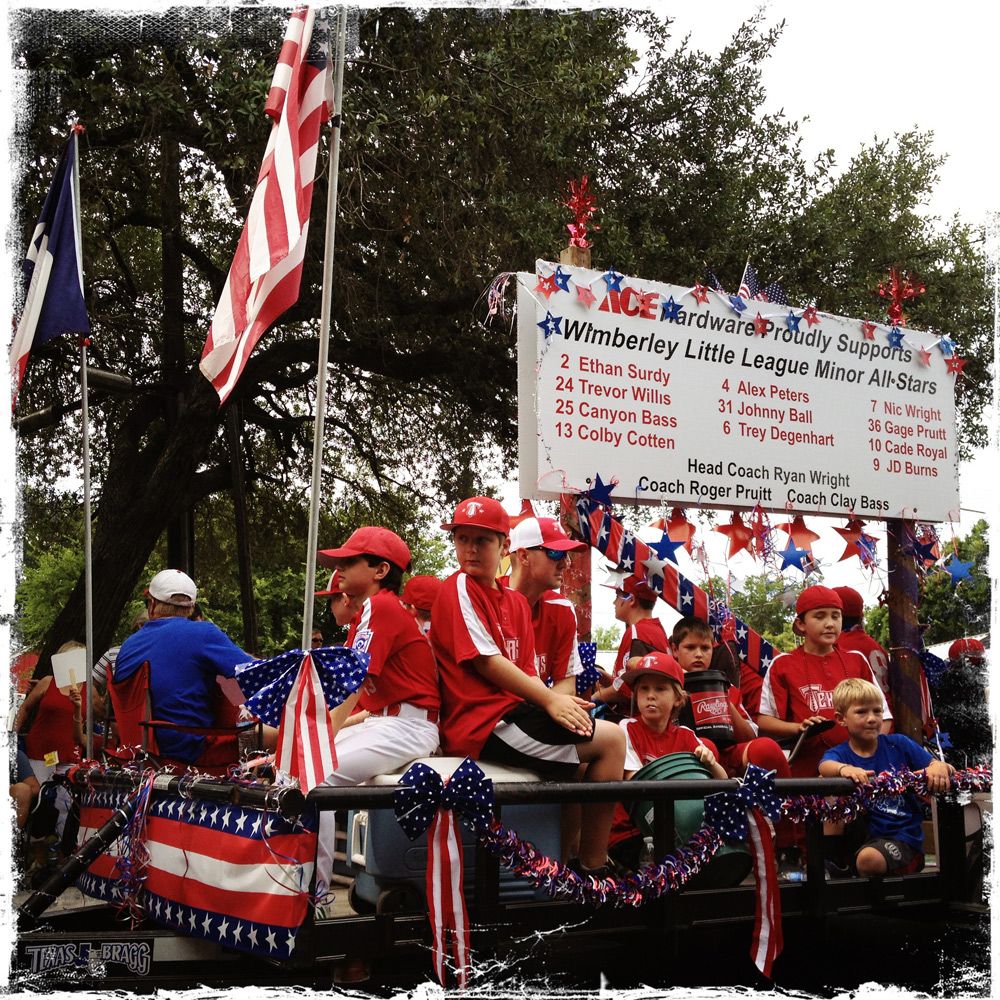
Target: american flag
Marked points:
751	288
233	875
266	271
713	282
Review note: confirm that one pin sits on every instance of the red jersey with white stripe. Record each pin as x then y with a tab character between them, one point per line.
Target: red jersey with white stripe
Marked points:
649	634
557	655
859	641
643	745
800	685
402	665
472	621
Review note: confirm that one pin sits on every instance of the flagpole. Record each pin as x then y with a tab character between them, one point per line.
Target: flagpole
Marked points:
88	591
324	337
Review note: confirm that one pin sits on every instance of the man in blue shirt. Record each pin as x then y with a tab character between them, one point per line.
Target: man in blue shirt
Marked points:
185	658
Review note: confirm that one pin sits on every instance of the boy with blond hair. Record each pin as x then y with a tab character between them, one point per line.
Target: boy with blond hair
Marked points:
893	836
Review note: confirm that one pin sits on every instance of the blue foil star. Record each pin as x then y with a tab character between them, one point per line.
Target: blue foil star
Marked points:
665	548
792	321
550	325
947	346
613	279
671	310
561	279
958	570
600	492
737	304
895	336
792	555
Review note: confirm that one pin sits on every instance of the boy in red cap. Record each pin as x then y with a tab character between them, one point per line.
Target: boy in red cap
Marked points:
652	732
691	645
634	604
400	693
494	705
419	596
798	688
538	551
342	607
855	637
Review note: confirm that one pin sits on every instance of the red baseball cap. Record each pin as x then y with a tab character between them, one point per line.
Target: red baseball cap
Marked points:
421	592
966	647
854	605
480	512
817	597
634	587
370	541
660	664
544	532
333	587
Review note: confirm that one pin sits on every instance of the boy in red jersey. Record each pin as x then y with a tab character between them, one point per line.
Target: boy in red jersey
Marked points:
400	693
538	550
634	604
856	638
653	732
798	689
494	706
691	645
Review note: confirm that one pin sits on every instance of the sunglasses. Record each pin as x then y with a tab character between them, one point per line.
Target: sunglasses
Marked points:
554	554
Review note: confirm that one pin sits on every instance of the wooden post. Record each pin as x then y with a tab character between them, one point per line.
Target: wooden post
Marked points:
904	632
575	256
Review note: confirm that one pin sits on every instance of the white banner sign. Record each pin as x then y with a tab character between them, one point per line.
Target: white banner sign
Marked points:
679	398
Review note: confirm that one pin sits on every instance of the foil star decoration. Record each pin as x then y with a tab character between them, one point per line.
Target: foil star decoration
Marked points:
811	316
895	337
584	295
738	533
561	278
858	543
946	346
546	285
666	547
700	293
868	330
671	310
613	280
957	570
760	531
654	568
737	304
680	529
925	356
550	325
796	557
600	492
798	532
760	326
792	321
955	364
582	203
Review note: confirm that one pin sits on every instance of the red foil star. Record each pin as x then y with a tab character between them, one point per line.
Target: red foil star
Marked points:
797	531
584	295
680	529
547	285
738	533
760	326
955	364
700	293
852	534
811	316
868	329
925	357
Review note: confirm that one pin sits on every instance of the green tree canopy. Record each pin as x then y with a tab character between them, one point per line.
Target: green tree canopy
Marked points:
462	128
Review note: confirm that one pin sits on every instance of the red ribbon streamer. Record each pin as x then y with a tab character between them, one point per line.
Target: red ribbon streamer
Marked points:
445	897
767	935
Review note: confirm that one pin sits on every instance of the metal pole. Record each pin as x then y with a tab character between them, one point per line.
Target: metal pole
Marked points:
88	591
324	337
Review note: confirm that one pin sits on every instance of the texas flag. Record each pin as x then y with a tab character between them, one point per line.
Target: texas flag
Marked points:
53	270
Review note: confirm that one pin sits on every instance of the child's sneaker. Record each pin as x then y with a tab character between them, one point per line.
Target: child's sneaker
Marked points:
602	871
790	866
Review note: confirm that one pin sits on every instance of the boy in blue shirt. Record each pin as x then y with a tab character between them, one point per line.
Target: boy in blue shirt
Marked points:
895	839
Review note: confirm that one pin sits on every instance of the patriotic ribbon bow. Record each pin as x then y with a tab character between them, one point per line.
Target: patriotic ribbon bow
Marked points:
424	802
590	675
268	683
421	793
743	815
727	811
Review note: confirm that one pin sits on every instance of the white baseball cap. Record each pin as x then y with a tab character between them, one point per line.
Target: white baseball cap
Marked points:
542	532
171	586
